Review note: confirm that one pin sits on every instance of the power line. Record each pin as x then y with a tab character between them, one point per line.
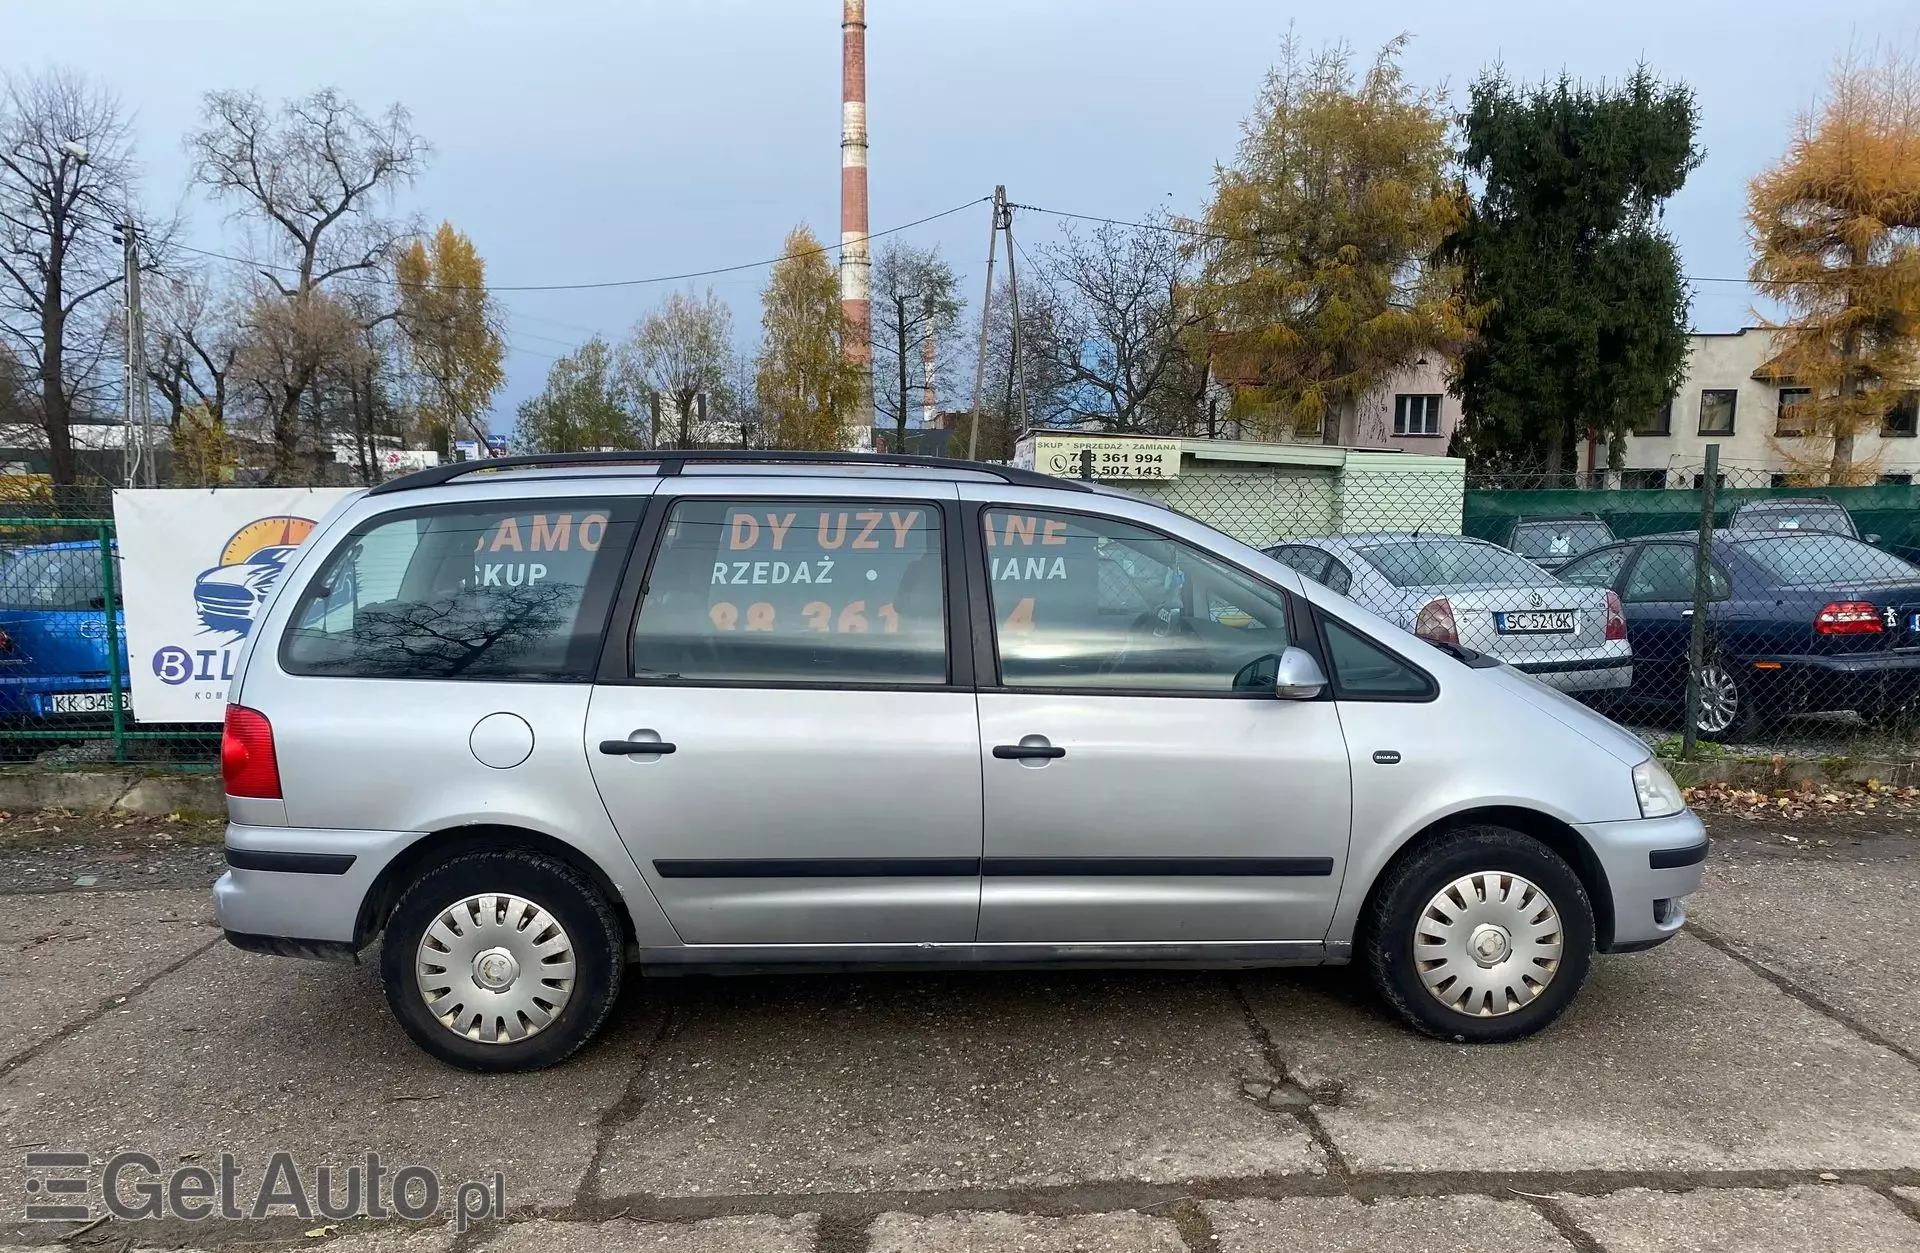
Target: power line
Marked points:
610	283
1191	233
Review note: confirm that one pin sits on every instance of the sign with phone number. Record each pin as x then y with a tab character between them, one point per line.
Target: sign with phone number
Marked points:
1063	457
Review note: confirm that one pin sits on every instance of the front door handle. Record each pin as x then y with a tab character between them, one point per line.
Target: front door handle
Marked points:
625	748
1026	752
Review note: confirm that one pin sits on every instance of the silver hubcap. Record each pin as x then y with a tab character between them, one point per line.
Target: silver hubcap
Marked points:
1719	699
1488	944
495	968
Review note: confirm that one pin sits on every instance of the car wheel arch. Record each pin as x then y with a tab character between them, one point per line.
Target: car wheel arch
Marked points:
1555	833
450	842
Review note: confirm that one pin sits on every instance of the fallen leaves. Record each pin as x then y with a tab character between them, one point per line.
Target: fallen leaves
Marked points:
1806	796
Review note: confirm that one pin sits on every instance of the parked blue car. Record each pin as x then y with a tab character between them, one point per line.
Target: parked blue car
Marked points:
1796	623
53	633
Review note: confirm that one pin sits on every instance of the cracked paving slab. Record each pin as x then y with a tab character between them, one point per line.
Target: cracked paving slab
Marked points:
1734	1220
1406	1225
751	1233
831	1084
1846	939
247	1054
1124	1232
61	956
1680	1058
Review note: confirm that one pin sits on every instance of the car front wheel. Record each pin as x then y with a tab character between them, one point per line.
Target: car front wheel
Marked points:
502	960
1483	935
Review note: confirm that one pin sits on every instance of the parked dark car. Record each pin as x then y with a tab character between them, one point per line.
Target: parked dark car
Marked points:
1797	623
1551	542
53	633
1796	513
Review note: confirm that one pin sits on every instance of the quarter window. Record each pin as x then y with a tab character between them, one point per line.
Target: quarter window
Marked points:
517	591
1186	623
1364	670
823	592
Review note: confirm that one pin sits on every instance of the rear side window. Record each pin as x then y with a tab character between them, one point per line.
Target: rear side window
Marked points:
827	592
514	591
1598	570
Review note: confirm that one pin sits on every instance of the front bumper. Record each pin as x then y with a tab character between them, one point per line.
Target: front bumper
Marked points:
1650	864
301	885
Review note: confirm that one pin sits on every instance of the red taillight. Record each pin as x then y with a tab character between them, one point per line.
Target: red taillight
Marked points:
1616	618
1848	617
1435	622
247	762
6	642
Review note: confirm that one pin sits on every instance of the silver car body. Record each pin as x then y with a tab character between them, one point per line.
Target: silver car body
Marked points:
1496	581
380	775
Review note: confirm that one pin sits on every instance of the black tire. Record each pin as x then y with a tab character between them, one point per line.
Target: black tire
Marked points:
1750	719
585	914
1388	930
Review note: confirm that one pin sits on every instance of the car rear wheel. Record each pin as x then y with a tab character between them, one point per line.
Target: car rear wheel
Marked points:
502	961
1728	707
1483	935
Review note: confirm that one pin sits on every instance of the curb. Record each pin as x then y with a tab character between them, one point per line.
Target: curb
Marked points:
113	791
1772	772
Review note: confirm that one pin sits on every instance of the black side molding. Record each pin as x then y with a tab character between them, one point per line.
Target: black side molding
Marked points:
288	946
1674	858
289	863
815	867
1153	867
951	867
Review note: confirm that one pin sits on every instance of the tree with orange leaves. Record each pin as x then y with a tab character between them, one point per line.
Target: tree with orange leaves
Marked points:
1836	234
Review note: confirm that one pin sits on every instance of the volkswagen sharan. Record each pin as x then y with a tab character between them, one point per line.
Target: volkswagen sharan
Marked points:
539	724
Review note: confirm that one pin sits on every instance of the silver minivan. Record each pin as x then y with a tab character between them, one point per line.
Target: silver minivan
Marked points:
539	720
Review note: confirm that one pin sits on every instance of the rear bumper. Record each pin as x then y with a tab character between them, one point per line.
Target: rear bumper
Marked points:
31	695
1603	674
299	890
1836	681
1650	864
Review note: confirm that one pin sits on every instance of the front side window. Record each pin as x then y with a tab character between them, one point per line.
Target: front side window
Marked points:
1190	622
1665	573
1601	569
1415	414
1716	411
510	591
820	592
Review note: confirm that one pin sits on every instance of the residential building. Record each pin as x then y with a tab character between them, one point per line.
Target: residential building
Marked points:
1411	411
1730	398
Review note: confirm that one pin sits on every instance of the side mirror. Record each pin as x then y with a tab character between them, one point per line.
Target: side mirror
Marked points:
1292	675
1872	539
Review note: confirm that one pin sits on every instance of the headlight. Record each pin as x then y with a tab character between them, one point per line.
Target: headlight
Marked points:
1659	794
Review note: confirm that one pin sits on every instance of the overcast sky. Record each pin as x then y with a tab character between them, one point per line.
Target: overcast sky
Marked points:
587	140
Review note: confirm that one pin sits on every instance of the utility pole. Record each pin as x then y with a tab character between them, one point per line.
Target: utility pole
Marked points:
1002	221
136	443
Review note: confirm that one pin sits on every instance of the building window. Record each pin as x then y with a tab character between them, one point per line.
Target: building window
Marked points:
1719	481
1896	480
1792	419
1903	420
1643	480
1416	414
1716	411
1659	422
1776	480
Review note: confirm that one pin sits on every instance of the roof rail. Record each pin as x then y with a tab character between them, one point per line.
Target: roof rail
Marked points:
674	461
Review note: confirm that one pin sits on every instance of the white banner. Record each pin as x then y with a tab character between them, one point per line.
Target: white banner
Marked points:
195	568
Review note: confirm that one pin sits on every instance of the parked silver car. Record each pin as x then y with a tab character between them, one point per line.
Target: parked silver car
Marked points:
542	720
1480	596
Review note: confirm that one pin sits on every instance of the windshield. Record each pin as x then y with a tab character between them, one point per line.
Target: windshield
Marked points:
1796	559
1452	563
1794	517
1559	539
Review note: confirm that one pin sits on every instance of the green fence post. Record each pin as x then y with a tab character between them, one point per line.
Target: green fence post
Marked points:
116	699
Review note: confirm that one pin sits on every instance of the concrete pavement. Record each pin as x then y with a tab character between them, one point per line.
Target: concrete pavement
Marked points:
1753	1085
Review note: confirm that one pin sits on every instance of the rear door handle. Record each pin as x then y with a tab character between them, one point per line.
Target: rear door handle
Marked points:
624	748
1025	752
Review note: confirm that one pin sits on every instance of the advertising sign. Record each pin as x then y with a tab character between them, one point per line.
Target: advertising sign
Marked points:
196	566
1114	457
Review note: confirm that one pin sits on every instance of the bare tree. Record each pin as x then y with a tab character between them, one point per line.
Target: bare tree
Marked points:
916	308
66	177
191	345
1116	323
313	175
682	353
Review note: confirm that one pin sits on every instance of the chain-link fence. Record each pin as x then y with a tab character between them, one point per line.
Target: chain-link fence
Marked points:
1795	631
64	691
